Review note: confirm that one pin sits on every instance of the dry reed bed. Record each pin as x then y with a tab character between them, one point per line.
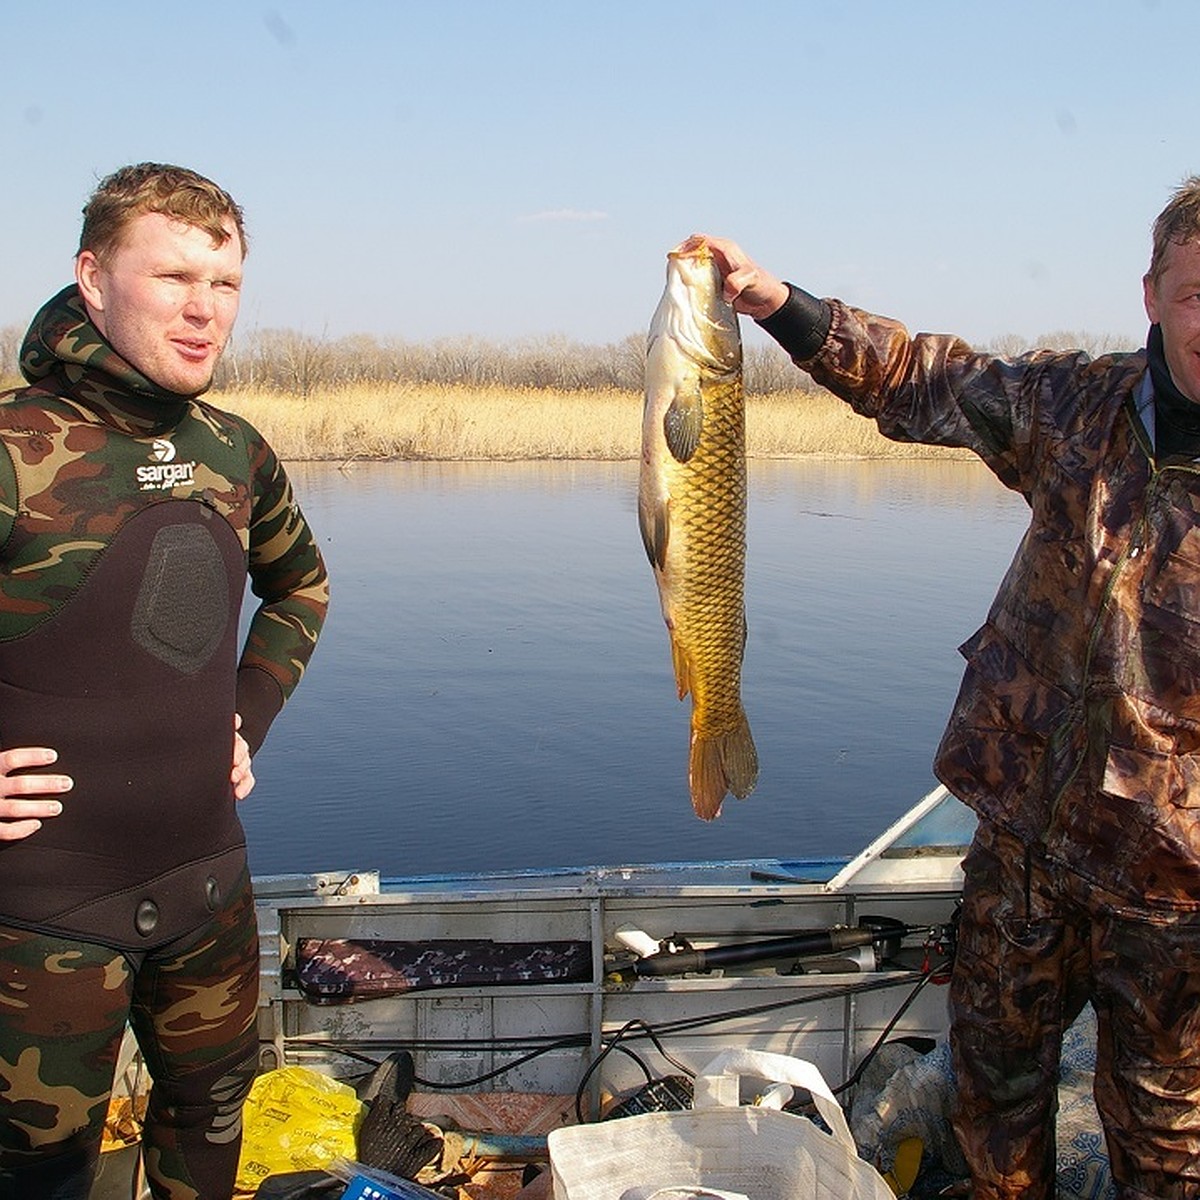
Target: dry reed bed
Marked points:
447	422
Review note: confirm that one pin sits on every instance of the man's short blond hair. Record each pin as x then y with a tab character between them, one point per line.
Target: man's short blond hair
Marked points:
156	188
1177	224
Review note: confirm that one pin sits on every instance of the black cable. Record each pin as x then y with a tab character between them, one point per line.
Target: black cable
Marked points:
683	1024
568	1041
649	1032
614	1044
434	1086
633	1030
857	1073
344	1048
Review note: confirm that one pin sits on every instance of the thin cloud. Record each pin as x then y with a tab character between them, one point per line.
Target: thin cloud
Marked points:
566	214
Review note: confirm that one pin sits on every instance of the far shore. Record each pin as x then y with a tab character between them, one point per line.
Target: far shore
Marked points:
446	422
455	423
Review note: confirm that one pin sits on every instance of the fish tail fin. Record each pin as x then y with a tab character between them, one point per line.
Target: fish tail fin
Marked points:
717	765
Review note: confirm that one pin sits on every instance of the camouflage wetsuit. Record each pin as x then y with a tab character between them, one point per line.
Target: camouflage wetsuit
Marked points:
1075	737
129	519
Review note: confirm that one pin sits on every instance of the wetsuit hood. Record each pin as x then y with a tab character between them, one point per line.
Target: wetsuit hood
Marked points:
65	347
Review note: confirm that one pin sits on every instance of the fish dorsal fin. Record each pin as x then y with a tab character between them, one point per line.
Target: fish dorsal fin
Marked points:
683	422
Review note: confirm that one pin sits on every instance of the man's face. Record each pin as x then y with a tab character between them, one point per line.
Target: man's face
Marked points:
166	299
1174	304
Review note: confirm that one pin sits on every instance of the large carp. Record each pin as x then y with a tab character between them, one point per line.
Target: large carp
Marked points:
692	513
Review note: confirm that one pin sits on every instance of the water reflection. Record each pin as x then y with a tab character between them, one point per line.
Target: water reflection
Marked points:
494	685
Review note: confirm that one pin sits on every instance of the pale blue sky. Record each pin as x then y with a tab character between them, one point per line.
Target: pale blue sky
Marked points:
520	168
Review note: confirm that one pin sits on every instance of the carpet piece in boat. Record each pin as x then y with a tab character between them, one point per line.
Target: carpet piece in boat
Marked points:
342	970
530	1113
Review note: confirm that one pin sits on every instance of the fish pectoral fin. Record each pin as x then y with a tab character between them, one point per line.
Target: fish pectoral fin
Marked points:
718	765
683	423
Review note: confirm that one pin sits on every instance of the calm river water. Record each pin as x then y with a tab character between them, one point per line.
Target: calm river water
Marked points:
494	687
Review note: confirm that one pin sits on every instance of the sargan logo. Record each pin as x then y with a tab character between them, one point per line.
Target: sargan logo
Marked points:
165	473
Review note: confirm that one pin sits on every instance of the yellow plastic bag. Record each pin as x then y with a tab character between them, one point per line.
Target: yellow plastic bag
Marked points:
296	1120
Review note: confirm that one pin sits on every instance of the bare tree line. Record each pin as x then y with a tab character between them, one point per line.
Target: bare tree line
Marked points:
1010	345
294	363
286	361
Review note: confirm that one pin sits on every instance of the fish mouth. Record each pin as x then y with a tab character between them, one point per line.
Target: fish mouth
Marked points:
692	247
705	330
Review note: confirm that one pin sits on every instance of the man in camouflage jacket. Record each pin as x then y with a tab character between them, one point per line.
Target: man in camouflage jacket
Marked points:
1076	733
131	513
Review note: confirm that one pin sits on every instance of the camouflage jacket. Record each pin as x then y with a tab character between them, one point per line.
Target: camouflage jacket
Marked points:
1077	724
90	441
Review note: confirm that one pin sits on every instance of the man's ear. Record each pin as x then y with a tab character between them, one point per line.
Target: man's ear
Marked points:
89	276
1150	299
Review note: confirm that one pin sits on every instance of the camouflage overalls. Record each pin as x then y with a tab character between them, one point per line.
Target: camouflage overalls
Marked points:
1075	737
129	520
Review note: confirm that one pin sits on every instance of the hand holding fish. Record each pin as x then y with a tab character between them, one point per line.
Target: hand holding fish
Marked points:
26	799
242	775
747	288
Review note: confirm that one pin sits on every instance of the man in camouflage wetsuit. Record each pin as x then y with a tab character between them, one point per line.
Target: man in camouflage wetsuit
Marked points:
1076	733
130	515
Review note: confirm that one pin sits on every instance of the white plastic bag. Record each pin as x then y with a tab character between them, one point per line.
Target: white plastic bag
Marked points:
720	1144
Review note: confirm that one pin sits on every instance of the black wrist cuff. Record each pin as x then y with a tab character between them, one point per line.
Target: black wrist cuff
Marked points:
259	699
800	324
